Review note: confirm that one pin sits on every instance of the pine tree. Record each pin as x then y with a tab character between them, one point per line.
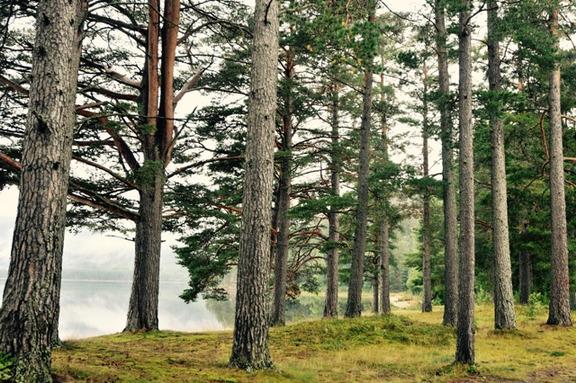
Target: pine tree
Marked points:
30	307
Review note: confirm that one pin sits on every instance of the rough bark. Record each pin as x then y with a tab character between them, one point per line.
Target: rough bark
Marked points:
525	277
354	303
285	187
143	306
465	330
448	177
504	316
331	305
559	310
29	313
250	348
426	256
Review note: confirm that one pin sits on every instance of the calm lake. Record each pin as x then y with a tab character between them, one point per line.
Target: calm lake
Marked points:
93	307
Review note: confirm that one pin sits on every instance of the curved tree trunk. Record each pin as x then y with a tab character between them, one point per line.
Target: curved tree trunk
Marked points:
448	177
504	316
29	313
331	305
250	348
559	310
465	330
354	303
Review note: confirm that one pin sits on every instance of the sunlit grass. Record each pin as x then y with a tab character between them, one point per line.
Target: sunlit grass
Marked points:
409	346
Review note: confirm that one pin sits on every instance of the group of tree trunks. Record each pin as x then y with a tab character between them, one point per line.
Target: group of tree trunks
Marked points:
29	313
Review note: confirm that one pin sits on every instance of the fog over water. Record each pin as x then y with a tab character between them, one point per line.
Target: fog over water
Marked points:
96	284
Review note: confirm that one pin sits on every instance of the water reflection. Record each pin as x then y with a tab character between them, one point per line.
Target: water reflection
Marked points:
95	307
92	307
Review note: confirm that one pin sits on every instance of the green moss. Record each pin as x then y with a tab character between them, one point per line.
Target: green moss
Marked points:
396	348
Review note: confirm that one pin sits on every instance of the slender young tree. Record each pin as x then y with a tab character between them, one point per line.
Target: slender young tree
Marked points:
426	232
384	224
504	316
448	177
465	330
250	348
354	303
30	305
559	310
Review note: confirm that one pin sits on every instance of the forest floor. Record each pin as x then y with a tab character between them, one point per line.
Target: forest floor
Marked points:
408	346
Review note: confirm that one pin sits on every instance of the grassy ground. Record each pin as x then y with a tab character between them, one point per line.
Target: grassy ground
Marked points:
406	347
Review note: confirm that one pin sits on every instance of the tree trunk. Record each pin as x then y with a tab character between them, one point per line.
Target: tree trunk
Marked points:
426	256
465	330
143	307
143	304
165	131
285	186
376	289
383	230
525	277
504	316
250	348
559	310
157	147
383	240
331	305
29	313
354	303
448	177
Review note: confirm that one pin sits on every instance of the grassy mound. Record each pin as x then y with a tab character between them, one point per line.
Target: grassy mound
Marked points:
410	347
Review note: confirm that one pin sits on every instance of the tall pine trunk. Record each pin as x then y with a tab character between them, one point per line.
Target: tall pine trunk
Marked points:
143	307
504	316
384	226
559	310
465	326
354	303
250	348
426	256
448	176
285	188
331	304
158	143
29	313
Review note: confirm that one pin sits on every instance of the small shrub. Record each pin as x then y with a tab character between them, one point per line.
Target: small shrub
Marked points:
482	296
536	304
